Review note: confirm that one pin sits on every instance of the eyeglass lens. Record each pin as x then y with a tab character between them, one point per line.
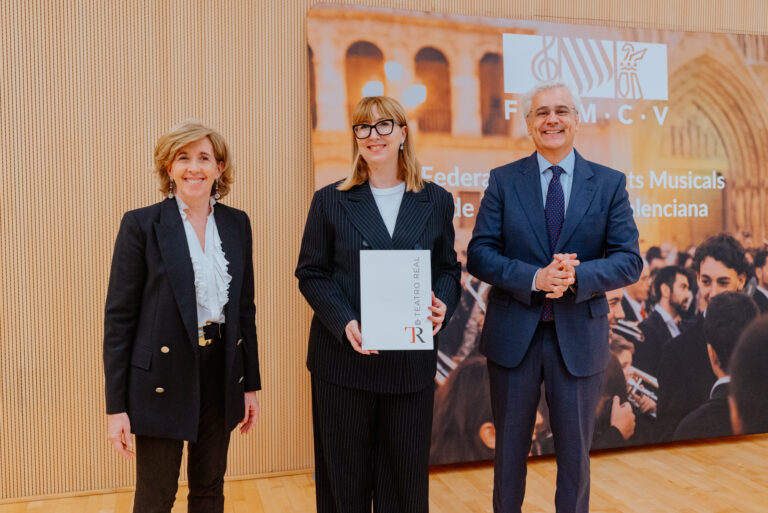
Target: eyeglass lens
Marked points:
383	127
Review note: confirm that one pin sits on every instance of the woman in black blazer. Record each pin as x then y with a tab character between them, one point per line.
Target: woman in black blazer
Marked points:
180	353
372	412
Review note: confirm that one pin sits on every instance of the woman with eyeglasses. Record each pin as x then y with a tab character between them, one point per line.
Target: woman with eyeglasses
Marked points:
372	411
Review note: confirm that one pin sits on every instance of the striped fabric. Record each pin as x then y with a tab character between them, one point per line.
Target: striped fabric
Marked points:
339	225
371	448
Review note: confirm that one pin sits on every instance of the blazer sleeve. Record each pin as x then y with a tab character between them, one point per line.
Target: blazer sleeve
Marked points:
621	264
248	311
485	253
315	272
446	268
121	315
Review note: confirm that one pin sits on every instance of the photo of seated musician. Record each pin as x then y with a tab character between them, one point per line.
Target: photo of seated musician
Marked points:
728	315
615	419
463	425
636	296
672	291
749	380
685	374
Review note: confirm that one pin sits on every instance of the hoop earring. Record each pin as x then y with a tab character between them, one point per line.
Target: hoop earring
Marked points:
216	194
171	189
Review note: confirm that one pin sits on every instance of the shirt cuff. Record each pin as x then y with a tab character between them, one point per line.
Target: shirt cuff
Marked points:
533	283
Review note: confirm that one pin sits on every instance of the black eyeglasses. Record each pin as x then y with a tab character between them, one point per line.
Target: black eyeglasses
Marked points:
383	127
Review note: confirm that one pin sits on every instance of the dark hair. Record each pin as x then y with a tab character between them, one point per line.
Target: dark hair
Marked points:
749	376
727	316
666	276
760	258
682	258
726	250
462	406
653	252
614	383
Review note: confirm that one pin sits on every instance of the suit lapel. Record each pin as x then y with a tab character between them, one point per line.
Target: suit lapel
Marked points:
174	251
414	212
365	216
231	244
528	189
582	192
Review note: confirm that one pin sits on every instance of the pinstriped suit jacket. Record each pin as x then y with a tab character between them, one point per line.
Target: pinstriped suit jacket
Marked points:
339	225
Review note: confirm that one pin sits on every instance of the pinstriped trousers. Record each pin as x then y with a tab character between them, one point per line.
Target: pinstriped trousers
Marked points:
371	449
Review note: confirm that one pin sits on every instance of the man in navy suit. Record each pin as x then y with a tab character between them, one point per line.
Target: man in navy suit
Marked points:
550	249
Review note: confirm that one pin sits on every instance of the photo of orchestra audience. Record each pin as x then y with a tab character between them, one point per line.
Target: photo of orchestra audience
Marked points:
688	342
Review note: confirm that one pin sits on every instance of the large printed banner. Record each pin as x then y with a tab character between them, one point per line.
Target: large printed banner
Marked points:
684	115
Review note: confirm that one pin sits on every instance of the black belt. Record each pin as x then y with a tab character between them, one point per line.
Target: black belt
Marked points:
210	332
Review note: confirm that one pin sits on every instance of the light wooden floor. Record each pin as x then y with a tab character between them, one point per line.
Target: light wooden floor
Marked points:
696	477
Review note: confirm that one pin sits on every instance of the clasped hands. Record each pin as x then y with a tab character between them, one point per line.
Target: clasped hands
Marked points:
560	274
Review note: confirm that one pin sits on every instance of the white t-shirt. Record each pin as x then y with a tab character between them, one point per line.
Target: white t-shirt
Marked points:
388	201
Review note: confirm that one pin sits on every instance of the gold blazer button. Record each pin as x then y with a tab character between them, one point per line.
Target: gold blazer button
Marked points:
165	349
159	390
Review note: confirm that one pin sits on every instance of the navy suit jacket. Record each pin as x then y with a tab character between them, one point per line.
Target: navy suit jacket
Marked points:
339	225
510	243
151	304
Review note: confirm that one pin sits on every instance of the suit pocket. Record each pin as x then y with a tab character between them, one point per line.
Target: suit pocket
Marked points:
141	357
598	307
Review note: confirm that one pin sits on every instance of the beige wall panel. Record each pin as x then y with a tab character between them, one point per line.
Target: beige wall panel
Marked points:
86	88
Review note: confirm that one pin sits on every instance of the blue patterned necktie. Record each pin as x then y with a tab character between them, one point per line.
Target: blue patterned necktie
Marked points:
554	213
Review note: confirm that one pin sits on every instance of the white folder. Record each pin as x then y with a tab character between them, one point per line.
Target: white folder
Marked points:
395	295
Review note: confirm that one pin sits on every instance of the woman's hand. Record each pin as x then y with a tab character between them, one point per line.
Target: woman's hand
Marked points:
352	330
251	412
438	309
119	432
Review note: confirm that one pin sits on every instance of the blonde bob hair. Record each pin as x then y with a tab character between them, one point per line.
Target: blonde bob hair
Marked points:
168	145
409	169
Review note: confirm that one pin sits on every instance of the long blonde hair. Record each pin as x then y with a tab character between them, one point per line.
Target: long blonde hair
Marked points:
408	167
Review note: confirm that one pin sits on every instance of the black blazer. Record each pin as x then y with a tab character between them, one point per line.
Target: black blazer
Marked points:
339	225
655	336
711	419
150	324
685	378
761	300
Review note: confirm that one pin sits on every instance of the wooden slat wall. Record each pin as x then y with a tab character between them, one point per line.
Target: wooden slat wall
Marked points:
86	87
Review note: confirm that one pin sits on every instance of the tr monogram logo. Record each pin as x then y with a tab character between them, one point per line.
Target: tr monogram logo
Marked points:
599	68
416	332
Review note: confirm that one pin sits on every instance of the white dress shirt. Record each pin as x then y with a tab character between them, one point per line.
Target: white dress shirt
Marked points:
674	330
636	307
210	267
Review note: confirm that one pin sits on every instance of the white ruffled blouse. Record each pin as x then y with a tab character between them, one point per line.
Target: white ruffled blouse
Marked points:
210	266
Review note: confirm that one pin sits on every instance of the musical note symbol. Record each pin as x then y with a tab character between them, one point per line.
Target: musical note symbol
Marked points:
543	66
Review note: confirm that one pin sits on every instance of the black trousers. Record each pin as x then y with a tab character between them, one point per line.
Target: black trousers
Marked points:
158	459
371	448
